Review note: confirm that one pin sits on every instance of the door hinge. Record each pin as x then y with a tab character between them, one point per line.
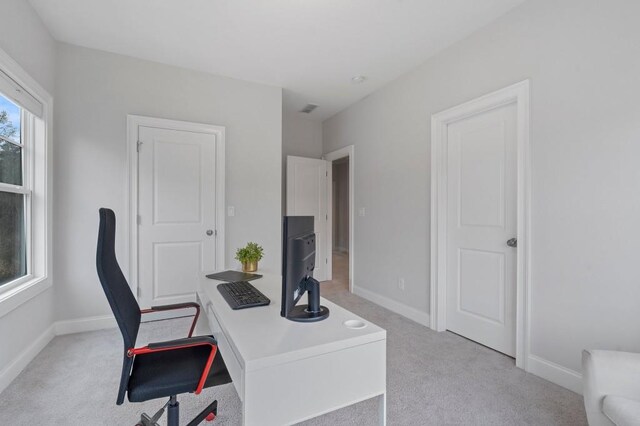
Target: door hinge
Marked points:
326	261
326	174
326	217
139	220
138	146
139	292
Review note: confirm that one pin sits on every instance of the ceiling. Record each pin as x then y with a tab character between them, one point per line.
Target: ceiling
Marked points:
310	48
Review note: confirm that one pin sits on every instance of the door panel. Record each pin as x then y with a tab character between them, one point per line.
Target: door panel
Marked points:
176	182
482	176
482	286
481	193
307	196
177	280
176	178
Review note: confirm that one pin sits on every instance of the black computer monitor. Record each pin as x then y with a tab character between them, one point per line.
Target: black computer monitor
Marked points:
298	263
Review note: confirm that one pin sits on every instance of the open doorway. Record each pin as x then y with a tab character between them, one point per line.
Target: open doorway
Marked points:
340	222
310	192
340	194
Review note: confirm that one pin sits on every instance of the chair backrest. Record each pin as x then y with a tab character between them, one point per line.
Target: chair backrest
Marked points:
121	299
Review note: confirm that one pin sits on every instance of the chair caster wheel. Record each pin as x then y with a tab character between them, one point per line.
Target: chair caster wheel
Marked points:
210	417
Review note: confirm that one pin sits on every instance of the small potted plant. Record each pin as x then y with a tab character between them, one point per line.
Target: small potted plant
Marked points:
249	256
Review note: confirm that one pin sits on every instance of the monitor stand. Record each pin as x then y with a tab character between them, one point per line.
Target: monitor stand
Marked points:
313	311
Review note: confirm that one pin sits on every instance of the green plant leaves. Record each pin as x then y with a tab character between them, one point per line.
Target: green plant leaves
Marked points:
252	252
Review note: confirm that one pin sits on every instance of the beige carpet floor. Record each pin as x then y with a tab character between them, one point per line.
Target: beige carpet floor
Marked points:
432	379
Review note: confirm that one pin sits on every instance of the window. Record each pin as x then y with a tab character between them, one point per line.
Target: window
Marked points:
23	208
14	192
25	231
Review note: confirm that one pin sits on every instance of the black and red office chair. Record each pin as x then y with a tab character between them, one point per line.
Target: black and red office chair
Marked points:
158	370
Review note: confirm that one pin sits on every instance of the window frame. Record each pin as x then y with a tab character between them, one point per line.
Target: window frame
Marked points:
27	140
38	130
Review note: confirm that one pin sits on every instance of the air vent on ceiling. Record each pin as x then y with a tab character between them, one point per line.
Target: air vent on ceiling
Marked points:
308	108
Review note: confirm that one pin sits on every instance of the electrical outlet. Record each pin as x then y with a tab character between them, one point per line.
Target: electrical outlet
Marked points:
401	283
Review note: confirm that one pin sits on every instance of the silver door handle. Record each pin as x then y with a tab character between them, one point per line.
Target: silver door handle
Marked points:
209	232
513	242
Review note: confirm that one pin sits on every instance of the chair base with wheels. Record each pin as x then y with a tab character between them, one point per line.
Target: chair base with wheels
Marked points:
172	406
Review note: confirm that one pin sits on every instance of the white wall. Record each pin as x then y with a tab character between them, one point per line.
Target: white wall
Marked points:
301	137
25	39
583	62
95	92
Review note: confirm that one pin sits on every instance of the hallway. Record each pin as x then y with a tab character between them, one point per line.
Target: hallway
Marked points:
340	281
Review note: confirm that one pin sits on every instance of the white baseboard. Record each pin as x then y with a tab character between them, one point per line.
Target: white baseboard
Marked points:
393	305
11	371
555	373
102	322
80	325
58	328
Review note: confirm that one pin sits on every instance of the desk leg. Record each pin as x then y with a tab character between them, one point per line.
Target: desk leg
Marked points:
382	409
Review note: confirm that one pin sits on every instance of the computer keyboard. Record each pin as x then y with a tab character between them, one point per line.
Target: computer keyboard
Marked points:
241	294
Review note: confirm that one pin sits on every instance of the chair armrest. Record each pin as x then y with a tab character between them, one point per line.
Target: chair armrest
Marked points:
180	344
608	373
176	306
184	343
173	306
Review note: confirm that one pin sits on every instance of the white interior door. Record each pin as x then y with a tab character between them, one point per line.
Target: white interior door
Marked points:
177	213
307	196
481	218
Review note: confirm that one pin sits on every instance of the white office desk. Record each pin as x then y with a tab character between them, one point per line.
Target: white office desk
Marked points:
286	372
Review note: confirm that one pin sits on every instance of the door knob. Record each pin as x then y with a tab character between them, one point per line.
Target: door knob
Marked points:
209	232
513	242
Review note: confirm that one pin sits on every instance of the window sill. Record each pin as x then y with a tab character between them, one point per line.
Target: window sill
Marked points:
20	293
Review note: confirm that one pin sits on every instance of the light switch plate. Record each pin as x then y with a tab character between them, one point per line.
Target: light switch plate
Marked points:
361	211
231	211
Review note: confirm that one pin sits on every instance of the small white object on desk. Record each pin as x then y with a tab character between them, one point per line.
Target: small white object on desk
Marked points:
355	324
286	372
